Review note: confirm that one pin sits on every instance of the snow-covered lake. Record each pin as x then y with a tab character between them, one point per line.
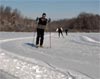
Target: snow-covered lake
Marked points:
76	56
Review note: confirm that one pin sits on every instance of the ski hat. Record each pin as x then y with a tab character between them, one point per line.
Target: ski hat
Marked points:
44	14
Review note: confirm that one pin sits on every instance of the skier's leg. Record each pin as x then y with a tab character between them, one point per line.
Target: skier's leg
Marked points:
59	34
37	40
38	36
66	33
42	37
41	41
62	34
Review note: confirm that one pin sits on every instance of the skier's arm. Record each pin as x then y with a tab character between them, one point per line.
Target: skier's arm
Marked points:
61	29
46	28
57	30
48	21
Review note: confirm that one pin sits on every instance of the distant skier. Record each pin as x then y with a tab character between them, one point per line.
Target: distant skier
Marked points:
42	22
60	31
66	31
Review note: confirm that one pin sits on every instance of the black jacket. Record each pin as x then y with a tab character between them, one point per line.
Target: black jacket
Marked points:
42	21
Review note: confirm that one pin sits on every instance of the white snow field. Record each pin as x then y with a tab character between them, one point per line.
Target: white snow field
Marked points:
76	56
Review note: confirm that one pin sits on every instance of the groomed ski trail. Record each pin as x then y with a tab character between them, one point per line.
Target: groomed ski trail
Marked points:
20	63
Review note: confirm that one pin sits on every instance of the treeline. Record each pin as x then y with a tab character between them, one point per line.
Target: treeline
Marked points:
12	20
83	22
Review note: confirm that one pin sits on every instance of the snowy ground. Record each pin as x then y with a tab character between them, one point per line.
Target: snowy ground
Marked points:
75	56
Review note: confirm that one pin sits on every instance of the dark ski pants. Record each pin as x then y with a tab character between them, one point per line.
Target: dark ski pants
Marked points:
60	32
40	36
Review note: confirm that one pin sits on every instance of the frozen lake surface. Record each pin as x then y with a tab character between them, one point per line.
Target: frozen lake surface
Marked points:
76	56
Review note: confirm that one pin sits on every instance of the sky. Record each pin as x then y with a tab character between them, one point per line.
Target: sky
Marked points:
55	9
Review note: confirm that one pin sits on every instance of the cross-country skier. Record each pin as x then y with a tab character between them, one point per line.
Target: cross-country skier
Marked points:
60	31
42	22
66	31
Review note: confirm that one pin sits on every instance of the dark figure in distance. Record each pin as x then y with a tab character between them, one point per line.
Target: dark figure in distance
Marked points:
66	31
60	31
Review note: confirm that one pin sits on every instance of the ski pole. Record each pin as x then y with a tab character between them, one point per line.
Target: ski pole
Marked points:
50	31
33	37
50	38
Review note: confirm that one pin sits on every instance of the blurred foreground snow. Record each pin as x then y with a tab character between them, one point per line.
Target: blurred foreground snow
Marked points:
19	69
25	70
17	59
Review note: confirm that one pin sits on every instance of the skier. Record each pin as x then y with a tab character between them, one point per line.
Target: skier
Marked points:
42	22
66	31
60	31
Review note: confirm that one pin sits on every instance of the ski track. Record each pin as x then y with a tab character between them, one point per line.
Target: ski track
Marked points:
90	39
25	68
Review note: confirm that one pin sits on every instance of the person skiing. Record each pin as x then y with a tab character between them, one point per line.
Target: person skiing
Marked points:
60	31
66	31
42	22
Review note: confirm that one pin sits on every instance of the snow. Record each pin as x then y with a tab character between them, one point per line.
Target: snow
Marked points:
75	56
5	75
25	70
90	39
